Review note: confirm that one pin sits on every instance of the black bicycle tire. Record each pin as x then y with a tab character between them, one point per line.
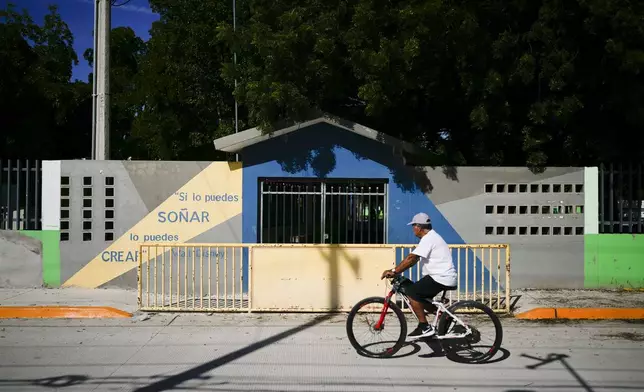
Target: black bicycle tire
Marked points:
401	318
443	324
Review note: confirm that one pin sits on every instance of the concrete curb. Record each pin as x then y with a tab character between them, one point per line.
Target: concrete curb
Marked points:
583	314
13	312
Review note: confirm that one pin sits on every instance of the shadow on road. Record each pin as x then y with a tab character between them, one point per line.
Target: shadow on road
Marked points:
562	359
172	381
415	349
437	352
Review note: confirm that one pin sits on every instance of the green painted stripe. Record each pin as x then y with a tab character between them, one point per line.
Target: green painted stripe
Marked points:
614	261
50	240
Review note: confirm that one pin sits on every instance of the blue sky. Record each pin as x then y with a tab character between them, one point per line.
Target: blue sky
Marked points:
79	14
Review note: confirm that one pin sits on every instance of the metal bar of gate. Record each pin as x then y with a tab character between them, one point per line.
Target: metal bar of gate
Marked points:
38	225
17	227
8	217
639	198
602	199
319	208
27	219
611	216
630	197
20	202
3	210
620	182
261	212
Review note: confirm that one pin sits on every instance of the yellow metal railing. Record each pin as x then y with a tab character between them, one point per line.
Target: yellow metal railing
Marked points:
483	274
194	277
219	277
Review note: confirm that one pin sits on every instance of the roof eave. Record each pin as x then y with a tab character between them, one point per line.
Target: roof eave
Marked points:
238	141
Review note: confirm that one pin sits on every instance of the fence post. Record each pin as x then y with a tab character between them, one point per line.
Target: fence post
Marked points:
139	277
592	200
507	278
51	195
250	278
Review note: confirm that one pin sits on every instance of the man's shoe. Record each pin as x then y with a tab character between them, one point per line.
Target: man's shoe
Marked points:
422	331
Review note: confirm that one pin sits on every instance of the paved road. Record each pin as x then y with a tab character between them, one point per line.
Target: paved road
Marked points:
239	352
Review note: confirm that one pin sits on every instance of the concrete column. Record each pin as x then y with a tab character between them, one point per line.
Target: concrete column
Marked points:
50	195
591	200
102	59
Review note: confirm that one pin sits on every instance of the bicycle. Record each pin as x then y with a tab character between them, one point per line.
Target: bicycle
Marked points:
449	328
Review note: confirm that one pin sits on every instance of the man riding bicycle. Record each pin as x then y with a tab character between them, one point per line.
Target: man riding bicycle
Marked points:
437	269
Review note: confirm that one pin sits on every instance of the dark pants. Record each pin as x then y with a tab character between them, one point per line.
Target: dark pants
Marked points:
425	289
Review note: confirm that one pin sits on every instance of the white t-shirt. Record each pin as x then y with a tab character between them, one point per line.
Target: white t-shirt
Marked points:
436	259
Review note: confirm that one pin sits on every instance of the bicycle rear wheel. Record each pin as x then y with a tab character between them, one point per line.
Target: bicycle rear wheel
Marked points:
391	335
487	333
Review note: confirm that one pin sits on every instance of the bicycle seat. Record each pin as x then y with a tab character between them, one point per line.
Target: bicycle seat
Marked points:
443	299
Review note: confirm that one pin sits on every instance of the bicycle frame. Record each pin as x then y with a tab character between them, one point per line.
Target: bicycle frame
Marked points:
440	309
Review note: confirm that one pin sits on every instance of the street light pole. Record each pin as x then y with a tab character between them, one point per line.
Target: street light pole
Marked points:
102	68
235	64
93	154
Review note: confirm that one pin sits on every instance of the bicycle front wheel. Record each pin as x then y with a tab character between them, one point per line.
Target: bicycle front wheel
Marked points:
484	341
370	338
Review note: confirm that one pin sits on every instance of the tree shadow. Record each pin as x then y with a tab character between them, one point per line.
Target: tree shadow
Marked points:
328	150
171	382
334	256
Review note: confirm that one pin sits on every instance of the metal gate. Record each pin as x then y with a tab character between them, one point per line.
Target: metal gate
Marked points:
226	277
621	198
310	211
20	187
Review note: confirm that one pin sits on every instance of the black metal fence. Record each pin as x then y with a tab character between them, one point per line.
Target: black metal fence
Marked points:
20	187
621	198
311	211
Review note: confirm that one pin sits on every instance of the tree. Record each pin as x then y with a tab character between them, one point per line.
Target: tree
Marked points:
493	82
184	102
485	83
40	110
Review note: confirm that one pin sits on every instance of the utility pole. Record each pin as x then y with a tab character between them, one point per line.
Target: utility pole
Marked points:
101	133
235	64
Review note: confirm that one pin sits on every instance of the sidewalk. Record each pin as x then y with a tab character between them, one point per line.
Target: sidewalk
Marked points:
528	304
67	303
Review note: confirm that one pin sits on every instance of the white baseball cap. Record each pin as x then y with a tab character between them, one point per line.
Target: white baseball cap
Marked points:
420	219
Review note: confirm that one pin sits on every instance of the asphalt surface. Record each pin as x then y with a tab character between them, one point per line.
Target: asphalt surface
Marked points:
241	352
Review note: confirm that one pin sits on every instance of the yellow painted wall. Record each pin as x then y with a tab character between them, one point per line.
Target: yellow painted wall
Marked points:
324	277
210	198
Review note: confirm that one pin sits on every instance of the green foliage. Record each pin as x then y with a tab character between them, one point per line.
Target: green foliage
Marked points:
492	82
42	114
184	104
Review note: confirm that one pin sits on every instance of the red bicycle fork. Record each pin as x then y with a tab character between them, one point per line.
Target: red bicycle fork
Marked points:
380	324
